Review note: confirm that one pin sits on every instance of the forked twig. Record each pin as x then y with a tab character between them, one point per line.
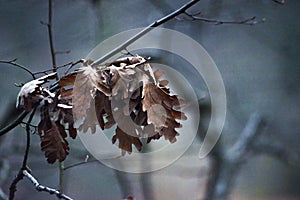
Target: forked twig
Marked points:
40	187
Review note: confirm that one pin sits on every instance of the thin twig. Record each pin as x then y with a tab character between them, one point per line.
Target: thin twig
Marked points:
69	65
248	21
144	32
49	25
89	161
40	187
80	163
72	64
19	177
13	62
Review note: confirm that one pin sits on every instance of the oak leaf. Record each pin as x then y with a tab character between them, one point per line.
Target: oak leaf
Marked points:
54	144
160	107
126	141
86	84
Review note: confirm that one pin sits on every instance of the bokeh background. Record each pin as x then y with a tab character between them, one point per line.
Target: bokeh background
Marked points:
259	65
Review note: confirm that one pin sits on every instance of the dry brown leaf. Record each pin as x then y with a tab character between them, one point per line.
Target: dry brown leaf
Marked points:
126	141
54	144
144	104
103	111
160	107
32	93
51	130
86	84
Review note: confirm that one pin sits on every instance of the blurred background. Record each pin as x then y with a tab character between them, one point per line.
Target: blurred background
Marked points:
260	69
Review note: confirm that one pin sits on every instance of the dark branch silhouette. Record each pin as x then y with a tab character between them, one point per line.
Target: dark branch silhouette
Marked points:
13	62
13	186
40	187
145	31
196	17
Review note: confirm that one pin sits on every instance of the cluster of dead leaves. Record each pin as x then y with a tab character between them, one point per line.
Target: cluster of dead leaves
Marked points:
126	93
56	117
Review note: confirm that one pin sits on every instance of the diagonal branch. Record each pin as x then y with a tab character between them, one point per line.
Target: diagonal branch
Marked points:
13	62
238	151
226	165
40	187
145	31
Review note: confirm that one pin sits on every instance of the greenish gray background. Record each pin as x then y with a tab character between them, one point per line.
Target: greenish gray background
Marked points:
259	65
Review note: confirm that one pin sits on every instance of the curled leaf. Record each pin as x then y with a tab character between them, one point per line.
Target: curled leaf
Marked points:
32	93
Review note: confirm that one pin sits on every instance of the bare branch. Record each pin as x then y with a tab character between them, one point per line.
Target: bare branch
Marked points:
80	163
13	186
13	62
145	31
243	144
49	25
69	65
196	17
72	64
40	187
226	165
89	161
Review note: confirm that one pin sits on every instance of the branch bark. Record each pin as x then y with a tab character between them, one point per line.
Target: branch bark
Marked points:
40	187
145	31
49	25
13	62
248	21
